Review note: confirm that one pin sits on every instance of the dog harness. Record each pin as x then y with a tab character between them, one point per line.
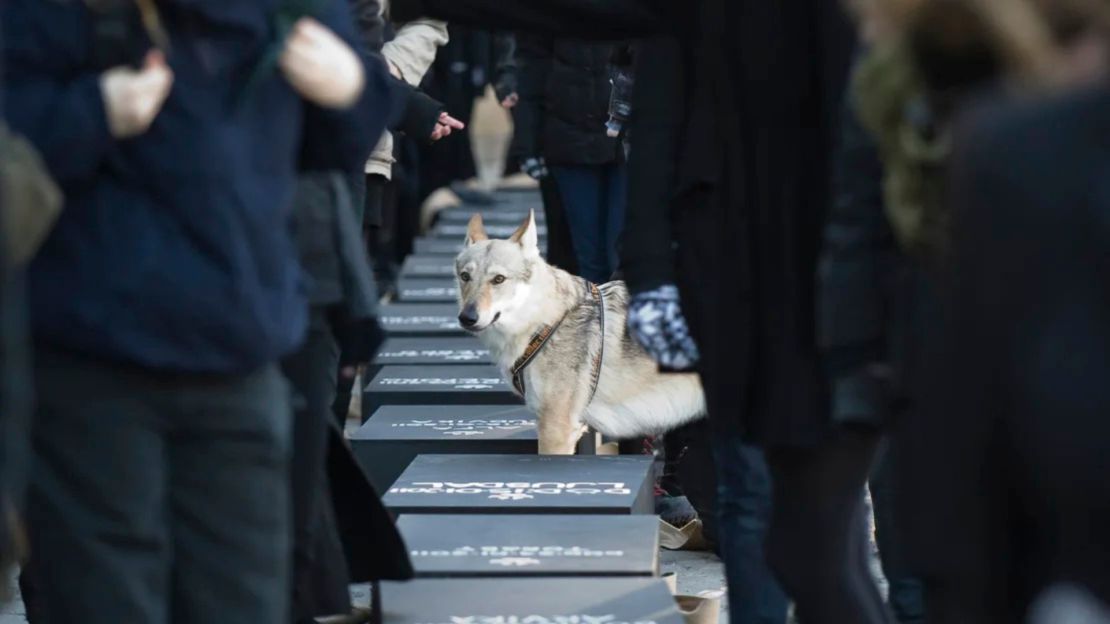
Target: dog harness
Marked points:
540	338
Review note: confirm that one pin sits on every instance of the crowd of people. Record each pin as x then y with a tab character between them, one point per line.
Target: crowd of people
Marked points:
876	229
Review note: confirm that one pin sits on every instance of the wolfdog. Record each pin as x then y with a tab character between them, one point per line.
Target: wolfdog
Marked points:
563	344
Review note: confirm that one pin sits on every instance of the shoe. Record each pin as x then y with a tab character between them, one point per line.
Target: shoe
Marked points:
674	510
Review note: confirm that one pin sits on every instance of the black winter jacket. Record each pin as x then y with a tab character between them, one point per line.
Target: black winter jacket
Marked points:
173	252
567	84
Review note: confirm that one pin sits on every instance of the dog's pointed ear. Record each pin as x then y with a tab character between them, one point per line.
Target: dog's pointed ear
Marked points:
526	236
475	230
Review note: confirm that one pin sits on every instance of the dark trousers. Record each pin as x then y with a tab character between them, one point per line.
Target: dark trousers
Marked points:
560	249
382	224
158	498
905	591
818	543
319	567
743	519
593	201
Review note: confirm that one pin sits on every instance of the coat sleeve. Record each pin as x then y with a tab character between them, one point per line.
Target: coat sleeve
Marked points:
414	48
533	60
340	140
647	256
505	71
50	97
420	116
858	249
594	19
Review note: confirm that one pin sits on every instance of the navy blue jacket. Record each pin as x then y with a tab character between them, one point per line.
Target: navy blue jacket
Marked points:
174	251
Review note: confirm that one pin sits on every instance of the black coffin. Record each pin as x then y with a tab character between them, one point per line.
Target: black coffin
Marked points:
531	545
447	246
396	434
427	290
420	319
428	266
499	216
460	384
516	484
457	231
430	352
529	601
437	246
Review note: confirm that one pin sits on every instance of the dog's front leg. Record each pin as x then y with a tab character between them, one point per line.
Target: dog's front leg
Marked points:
559	430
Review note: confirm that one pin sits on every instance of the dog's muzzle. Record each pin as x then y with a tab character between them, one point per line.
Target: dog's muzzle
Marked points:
468	318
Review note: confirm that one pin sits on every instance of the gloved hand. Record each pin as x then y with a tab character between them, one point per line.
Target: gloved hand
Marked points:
655	320
320	66
535	167
358	339
132	98
505	88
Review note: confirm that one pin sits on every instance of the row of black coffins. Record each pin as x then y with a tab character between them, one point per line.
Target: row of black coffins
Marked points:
497	534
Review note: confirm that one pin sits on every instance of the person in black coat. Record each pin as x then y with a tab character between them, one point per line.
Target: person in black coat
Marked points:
567	130
169	289
872	302
727	203
1020	498
522	92
343	333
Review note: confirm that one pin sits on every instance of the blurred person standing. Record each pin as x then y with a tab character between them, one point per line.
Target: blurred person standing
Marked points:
886	240
1021	502
343	334
871	300
457	77
407	53
409	49
567	131
170	287
522	94
1011	509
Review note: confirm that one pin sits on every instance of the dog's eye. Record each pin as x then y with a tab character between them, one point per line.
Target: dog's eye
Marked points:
498	279
464	276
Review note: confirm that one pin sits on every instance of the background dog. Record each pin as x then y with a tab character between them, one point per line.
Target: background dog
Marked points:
508	294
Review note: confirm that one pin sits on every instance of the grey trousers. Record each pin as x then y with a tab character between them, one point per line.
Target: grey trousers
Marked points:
157	498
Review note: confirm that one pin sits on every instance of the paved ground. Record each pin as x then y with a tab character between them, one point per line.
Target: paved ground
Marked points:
696	572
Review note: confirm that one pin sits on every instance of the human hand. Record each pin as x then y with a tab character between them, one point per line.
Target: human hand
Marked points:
133	98
510	100
655	320
358	339
320	66
445	125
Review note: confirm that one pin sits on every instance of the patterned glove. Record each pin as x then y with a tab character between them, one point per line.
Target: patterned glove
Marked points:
535	167
655	320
